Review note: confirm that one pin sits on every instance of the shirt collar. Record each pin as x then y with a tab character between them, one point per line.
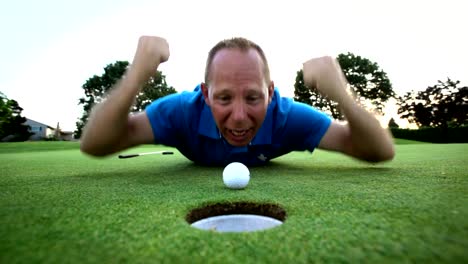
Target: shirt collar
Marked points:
207	126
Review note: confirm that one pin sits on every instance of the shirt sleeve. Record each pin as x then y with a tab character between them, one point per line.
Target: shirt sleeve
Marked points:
164	116
305	126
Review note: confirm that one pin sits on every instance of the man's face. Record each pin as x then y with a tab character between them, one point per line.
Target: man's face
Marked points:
238	94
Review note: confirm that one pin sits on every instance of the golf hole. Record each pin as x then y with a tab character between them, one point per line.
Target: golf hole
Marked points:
237	217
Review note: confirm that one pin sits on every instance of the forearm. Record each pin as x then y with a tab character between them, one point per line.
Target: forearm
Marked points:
368	140
107	124
110	128
362	137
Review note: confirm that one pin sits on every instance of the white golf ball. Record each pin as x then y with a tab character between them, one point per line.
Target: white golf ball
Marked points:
236	175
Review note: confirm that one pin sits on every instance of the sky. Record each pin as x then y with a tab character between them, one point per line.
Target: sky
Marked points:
50	48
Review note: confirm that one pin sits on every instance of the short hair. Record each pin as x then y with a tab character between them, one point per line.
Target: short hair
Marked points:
242	44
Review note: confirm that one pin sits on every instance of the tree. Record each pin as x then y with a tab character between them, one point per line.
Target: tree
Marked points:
392	123
96	87
366	80
155	88
12	127
442	105
304	94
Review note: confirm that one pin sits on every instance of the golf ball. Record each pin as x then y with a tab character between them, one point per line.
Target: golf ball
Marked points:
236	175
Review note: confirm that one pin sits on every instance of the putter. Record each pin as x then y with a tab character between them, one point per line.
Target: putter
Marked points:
145	153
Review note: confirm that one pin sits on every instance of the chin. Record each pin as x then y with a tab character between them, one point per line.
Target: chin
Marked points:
238	144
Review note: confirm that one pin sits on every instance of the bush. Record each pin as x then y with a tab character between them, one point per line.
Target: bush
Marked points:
433	135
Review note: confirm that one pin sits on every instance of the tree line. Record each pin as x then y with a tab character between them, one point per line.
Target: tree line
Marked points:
12	127
442	105
96	87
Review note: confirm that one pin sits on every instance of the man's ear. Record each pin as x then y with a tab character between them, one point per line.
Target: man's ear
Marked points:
204	89
271	91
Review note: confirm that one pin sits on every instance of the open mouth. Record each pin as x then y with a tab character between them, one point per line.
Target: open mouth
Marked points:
239	136
238	133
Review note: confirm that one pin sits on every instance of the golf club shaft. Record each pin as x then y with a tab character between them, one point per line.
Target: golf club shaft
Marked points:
145	153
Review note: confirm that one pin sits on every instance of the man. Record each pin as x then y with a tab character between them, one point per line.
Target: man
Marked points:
236	114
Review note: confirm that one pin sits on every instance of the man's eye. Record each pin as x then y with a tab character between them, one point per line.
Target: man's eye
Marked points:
224	98
253	98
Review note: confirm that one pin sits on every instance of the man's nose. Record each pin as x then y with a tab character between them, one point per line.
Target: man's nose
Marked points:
239	111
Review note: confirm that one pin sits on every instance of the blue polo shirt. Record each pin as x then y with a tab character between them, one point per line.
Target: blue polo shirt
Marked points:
184	121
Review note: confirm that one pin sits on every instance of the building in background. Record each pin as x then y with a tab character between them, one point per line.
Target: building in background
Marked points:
42	131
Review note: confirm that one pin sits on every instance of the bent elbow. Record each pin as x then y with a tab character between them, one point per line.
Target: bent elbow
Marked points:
384	155
89	150
388	155
84	148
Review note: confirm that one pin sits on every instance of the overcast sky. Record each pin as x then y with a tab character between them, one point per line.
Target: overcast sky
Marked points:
50	48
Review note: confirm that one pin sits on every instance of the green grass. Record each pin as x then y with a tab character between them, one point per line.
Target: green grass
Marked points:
35	146
58	205
400	141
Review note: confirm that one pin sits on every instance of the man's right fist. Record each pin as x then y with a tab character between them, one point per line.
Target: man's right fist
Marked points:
326	76
151	52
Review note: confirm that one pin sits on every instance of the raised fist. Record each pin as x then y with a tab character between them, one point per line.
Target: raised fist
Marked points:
326	76
151	51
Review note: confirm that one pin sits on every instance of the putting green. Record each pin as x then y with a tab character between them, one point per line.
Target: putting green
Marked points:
57	205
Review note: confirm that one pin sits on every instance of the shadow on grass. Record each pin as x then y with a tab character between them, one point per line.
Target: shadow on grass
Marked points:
320	169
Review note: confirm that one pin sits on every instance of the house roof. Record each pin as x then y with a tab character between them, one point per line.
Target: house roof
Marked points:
29	119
